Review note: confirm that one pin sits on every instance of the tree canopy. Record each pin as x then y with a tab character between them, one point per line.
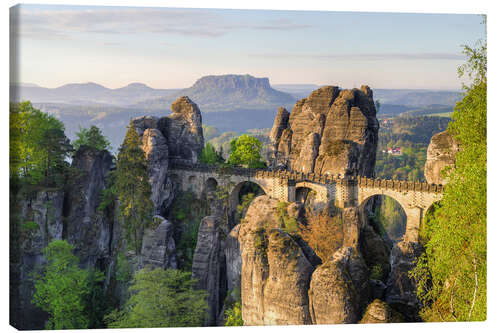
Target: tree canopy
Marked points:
133	188
63	288
91	137
38	147
210	156
452	273
161	298
245	151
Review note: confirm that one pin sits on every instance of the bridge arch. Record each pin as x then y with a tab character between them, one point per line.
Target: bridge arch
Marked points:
391	214
241	189
210	185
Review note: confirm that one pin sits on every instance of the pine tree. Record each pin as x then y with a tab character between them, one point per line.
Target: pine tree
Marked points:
133	189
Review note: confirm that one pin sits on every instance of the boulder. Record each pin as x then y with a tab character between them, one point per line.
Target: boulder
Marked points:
441	154
339	289
380	312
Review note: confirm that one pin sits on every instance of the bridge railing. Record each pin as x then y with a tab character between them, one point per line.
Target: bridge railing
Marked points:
295	176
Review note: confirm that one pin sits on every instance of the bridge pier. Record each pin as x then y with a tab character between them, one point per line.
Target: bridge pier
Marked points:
414	217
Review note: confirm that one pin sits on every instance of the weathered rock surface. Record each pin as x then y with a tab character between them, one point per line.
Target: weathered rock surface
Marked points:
275	272
380	312
441	153
88	228
332	131
155	147
43	215
158	246
233	259
339	289
174	138
209	265
375	251
401	289
182	130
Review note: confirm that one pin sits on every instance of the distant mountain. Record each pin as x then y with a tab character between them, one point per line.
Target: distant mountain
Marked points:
87	94
298	91
217	93
417	97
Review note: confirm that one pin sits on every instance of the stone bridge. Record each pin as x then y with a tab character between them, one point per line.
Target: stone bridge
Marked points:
414	197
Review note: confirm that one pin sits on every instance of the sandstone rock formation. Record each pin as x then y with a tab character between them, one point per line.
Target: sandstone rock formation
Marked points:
209	264
174	138
89	229
182	130
233	259
332	131
155	147
339	289
440	154
380	312
43	223
158	246
275	271
401	288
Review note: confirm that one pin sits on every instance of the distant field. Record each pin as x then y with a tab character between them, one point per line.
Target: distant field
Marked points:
443	114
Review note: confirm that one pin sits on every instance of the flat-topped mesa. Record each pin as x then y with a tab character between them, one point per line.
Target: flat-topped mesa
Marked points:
332	131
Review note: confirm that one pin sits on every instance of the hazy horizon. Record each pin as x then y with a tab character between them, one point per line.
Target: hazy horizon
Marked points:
170	48
272	85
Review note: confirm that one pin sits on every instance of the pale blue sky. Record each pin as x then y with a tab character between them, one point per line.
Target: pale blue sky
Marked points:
171	48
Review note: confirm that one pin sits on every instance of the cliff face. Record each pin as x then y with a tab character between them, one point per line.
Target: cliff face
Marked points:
332	131
441	153
88	228
275	271
182	131
283	282
175	138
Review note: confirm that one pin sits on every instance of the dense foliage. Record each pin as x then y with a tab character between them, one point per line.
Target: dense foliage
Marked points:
91	137
412	135
452	274
38	146
133	189
245	151
186	212
210	156
63	289
161	298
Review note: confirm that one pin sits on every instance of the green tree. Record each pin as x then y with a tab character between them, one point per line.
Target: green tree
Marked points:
452	273
161	298
62	289
233	315
39	147
133	189
210	156
245	151
91	137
